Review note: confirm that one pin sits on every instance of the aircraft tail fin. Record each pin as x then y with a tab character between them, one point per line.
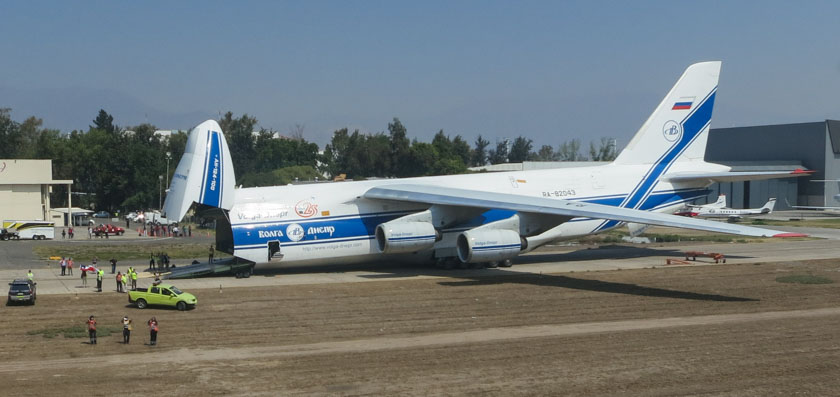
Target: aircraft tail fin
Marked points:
204	175
720	203
768	208
678	128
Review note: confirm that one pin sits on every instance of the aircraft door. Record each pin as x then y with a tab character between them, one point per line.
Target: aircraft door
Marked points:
274	254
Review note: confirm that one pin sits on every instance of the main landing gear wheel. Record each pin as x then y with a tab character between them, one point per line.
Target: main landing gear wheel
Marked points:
506	263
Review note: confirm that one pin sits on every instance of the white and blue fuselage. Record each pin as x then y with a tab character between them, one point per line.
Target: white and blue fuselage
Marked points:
476	218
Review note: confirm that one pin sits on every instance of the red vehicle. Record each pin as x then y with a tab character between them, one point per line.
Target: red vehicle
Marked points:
109	229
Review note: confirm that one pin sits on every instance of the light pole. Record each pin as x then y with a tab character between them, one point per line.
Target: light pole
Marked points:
160	192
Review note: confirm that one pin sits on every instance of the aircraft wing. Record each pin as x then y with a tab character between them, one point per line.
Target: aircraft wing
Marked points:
809	207
540	205
710	177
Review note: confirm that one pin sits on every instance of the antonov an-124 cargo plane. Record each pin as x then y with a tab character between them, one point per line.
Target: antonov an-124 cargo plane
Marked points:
482	219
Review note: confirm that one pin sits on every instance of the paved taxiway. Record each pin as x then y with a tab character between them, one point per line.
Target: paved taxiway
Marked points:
551	259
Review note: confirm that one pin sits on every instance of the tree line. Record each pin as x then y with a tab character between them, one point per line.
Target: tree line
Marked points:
125	168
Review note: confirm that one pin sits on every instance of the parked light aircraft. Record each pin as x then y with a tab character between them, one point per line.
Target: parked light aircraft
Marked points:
472	219
718	209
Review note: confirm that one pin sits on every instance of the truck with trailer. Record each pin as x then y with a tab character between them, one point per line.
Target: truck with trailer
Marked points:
35	230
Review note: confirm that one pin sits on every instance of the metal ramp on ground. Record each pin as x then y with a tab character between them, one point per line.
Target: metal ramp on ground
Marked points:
222	267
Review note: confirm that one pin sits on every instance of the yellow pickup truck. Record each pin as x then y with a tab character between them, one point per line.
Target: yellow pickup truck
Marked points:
163	295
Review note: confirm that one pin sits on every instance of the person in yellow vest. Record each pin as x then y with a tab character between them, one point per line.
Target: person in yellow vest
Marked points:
30	276
133	278
124	281
99	275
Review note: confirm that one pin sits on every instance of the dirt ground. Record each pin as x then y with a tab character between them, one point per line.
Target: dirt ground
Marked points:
704	330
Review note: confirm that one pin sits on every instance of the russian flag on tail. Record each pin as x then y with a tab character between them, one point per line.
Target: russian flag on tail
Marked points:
683	103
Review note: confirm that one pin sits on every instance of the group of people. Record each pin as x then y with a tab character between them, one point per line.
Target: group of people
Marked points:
126	323
67	234
66	264
123	279
159	262
156	229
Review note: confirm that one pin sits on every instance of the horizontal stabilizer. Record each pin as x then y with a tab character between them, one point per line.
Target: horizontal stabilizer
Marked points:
711	177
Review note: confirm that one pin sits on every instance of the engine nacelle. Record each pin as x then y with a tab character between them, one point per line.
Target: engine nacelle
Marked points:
397	237
485	245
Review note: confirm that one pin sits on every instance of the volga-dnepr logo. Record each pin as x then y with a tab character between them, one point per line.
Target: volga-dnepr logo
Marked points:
672	131
294	232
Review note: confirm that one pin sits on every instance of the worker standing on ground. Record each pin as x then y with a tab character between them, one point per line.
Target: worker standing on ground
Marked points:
119	282
133	278
84	276
212	251
124	281
99	274
126	329
153	331
63	264
30	276
70	265
113	265
91	324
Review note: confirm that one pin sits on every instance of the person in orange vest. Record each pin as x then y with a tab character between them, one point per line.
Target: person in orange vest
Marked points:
91	324
119	282
153	331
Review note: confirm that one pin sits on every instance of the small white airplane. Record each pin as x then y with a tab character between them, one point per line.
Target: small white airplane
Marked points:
481	219
718	209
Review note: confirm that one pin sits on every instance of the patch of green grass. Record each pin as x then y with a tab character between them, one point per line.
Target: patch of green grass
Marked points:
76	331
804	279
83	253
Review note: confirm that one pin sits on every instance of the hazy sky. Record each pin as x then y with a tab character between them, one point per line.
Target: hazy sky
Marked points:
551	71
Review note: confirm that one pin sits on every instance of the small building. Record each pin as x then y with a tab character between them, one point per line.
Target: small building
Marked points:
81	216
25	187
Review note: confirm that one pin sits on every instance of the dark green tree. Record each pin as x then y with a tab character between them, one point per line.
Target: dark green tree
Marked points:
546	153
479	154
400	146
500	154
240	139
520	150
104	122
604	152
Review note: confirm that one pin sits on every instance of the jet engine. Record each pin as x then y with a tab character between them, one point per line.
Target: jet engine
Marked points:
486	245
398	237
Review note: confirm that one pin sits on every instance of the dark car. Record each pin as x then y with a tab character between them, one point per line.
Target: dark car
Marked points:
102	214
6	234
21	290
